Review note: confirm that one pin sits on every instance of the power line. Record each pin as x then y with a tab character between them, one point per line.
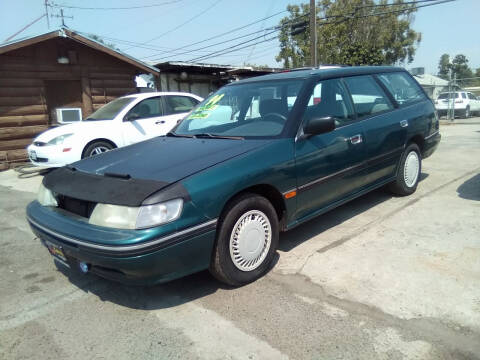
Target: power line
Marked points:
113	8
180	25
26	27
275	28
345	17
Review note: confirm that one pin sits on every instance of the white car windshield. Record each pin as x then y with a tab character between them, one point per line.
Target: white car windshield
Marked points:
110	110
258	109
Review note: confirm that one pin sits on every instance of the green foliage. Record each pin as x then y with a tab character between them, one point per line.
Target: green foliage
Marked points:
100	40
359	39
444	66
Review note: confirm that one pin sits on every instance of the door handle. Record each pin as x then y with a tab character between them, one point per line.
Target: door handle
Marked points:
404	123
160	122
356	139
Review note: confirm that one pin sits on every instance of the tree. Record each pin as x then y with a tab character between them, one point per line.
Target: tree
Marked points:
353	32
444	66
460	67
100	40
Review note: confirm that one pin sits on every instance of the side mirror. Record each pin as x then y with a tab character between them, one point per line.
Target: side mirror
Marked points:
320	125
131	117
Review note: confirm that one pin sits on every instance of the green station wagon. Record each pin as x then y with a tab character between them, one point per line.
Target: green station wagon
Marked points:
257	157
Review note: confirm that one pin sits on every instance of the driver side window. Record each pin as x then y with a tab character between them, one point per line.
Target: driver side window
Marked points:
329	98
151	107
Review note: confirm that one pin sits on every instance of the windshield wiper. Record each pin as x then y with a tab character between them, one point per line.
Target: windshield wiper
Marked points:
212	136
172	134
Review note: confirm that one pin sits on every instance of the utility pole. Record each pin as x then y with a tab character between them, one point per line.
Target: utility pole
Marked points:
313	33
46	12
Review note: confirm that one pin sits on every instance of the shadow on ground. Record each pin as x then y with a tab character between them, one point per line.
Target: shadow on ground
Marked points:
470	189
201	284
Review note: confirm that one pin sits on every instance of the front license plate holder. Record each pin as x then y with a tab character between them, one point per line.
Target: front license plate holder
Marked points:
57	253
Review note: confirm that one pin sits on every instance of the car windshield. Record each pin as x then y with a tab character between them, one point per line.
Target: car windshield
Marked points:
448	96
257	109
110	110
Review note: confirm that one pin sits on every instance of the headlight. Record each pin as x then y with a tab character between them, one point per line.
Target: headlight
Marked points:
125	217
45	197
59	139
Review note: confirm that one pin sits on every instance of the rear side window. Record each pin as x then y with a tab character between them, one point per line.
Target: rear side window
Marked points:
368	97
403	88
176	104
447	96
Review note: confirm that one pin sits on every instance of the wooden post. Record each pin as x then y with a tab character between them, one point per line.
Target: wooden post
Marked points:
86	93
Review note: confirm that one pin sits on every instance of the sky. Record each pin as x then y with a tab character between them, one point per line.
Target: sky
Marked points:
447	28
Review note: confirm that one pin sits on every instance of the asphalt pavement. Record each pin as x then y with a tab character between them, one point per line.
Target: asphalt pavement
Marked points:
381	277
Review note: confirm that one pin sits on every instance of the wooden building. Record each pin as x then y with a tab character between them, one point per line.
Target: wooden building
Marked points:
58	69
201	79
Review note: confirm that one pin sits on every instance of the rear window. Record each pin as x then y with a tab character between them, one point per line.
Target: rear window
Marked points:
448	96
404	89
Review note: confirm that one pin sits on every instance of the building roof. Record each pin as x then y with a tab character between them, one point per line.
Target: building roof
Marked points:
81	38
430	80
209	68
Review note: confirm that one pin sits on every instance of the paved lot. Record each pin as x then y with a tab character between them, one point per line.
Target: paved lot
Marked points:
379	278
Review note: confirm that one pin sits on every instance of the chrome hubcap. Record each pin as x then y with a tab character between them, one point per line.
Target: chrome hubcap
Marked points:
411	169
99	150
250	240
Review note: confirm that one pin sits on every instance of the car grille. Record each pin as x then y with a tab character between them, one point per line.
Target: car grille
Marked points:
39	160
75	206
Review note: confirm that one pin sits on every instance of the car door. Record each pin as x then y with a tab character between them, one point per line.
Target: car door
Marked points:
176	107
328	165
385	127
474	102
144	120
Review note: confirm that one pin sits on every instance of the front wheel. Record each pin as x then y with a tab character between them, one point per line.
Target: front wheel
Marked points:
408	173
247	239
96	148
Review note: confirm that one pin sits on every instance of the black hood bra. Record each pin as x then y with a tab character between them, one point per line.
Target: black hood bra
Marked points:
129	175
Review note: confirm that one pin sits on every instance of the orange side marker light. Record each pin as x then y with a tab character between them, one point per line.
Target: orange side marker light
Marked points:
291	194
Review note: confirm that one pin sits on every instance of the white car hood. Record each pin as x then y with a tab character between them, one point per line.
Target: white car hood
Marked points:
82	127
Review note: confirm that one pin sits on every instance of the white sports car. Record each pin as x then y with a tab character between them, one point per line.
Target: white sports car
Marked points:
123	121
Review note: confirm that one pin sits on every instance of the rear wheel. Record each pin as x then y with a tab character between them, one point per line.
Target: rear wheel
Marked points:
247	239
408	172
96	148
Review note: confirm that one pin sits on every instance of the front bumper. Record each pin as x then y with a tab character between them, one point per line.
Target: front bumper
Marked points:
142	259
51	156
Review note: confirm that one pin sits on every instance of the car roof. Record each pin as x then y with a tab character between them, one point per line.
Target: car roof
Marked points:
159	93
322	72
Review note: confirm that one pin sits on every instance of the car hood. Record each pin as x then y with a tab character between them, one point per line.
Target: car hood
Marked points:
129	175
167	159
76	128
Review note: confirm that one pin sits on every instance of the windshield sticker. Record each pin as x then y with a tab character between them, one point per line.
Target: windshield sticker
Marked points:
204	111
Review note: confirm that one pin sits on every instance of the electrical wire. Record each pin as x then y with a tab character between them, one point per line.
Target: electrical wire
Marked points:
113	8
182	24
345	18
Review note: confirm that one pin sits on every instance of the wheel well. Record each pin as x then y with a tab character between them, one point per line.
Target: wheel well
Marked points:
97	140
272	195
419	140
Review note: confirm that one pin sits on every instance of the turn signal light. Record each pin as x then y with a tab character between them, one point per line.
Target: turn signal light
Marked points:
291	194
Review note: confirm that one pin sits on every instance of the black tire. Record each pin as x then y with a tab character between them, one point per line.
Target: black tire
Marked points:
90	149
400	186
222	265
467	112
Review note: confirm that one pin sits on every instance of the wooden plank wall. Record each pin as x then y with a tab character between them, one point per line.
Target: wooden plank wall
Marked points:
23	103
